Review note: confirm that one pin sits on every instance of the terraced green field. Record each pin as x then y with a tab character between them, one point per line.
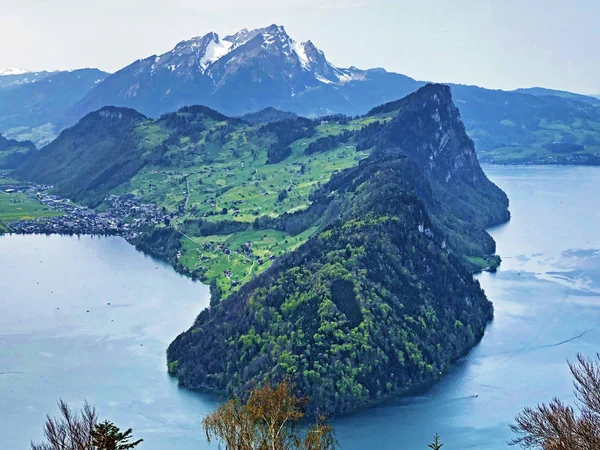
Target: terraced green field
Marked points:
215	176
208	253
231	182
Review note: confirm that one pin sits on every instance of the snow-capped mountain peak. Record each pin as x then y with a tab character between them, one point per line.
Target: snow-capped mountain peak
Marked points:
216	58
243	36
254	67
215	49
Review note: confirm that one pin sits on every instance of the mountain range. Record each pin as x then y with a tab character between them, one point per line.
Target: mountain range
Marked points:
265	68
339	250
33	104
236	74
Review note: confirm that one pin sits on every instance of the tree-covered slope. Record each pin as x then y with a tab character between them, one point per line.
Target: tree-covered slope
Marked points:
371	305
336	249
378	299
13	153
84	162
427	126
236	192
267	115
521	128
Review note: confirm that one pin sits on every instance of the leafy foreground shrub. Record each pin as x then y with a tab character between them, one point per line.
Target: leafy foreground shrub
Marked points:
268	418
557	426
81	431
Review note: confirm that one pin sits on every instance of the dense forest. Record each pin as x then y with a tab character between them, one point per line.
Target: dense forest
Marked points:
374	303
14	153
338	250
88	160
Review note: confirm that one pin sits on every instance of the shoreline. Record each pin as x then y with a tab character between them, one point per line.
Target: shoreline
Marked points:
182	270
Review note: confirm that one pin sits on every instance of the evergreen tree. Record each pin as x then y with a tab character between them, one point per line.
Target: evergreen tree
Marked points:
435	445
215	293
107	436
81	431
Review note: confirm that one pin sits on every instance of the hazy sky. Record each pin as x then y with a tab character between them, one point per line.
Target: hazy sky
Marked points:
493	43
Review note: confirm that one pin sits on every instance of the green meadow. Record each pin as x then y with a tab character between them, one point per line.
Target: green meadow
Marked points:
18	206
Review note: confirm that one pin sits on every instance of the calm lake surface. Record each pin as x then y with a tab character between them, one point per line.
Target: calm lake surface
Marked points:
547	308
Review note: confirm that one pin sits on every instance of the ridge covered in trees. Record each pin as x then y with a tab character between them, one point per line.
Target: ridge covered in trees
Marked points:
13	153
336	249
374	303
236	193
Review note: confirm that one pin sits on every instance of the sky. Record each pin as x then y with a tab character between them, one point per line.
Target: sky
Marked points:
503	44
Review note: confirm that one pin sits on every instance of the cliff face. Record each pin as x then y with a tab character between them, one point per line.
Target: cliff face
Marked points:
379	299
428	129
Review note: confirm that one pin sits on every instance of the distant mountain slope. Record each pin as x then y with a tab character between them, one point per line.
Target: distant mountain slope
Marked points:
14	153
31	100
253	70
376	301
199	163
539	91
100	153
244	72
512	127
17	77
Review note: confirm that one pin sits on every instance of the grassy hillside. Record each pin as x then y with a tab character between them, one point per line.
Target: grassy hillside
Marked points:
18	206
235	190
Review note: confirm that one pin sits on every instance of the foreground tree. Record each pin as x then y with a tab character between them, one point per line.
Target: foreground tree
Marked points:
107	436
435	445
268	420
70	431
81	431
557	426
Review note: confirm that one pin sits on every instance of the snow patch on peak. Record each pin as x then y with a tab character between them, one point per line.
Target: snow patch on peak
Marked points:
346	75
12	71
323	79
300	51
214	51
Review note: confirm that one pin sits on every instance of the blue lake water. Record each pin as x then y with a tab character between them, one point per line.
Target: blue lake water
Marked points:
547	308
